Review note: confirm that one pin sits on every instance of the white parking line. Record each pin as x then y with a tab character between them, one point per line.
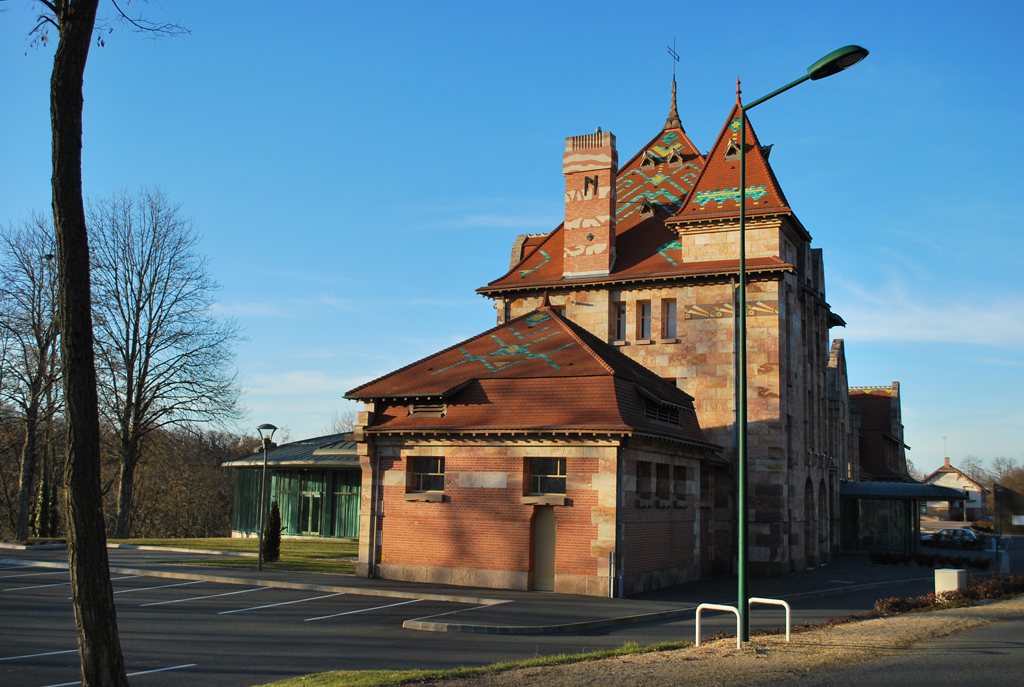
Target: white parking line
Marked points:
162	586
61	584
427	617
283	603
57	572
208	596
363	610
141	672
48	653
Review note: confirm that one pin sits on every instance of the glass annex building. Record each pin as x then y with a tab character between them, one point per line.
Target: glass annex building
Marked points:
316	483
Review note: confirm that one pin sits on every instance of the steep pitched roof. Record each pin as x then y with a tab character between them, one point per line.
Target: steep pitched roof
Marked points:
717	191
655	188
539	372
947	468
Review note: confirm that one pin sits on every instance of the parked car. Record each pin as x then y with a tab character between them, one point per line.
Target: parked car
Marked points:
953	538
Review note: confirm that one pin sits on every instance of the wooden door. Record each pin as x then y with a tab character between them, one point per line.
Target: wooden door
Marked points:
544	549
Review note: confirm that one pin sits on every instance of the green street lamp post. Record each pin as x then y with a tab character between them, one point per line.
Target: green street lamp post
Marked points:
830	64
266	434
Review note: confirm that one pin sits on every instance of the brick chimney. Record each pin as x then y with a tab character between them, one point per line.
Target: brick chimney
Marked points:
947	463
590	164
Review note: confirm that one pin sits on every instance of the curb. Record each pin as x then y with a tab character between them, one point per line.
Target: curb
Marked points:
32	547
355	591
171	549
586	626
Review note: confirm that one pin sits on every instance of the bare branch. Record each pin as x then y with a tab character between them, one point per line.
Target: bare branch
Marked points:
145	26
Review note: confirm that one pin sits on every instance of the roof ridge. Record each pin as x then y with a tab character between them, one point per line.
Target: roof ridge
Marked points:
572	333
437	353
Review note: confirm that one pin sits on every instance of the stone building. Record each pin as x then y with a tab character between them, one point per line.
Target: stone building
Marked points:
649	265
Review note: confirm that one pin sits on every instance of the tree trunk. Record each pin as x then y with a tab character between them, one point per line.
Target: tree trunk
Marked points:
92	596
28	475
125	492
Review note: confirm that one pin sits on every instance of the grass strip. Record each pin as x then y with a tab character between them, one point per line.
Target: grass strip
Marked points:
297	555
372	678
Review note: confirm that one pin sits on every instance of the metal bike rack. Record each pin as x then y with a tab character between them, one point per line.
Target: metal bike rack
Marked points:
775	602
720	607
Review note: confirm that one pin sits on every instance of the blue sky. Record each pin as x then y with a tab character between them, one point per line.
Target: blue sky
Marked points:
358	169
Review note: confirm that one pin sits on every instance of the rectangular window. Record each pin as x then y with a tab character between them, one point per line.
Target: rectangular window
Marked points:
661	483
547	476
619	312
426	474
643	479
680	483
668	320
644	323
508	310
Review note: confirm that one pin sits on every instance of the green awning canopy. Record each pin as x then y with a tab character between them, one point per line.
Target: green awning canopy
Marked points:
901	491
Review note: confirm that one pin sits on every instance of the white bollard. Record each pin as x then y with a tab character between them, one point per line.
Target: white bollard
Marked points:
949	579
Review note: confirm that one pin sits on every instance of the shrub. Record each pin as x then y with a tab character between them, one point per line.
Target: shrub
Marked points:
995	587
272	535
986	527
925	560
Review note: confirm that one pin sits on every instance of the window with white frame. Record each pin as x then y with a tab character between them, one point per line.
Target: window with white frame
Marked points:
426	473
668	320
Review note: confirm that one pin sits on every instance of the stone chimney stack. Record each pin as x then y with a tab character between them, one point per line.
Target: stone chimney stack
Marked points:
590	164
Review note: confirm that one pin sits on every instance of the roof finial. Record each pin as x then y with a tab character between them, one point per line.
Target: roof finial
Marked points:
738	101
673	114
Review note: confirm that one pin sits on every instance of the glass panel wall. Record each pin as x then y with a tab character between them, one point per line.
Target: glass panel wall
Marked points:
316	503
880	525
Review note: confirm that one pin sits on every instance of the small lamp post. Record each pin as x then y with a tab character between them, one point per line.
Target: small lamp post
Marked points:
830	64
266	434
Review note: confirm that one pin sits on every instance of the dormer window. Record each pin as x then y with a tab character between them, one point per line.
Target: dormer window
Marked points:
428	410
647	208
661	412
675	157
650	159
732	151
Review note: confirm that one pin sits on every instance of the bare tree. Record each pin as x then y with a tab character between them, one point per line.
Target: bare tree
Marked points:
342	421
28	295
914	473
92	595
164	356
974	467
1003	467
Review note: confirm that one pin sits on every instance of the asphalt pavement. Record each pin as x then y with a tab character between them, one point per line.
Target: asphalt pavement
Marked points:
232	627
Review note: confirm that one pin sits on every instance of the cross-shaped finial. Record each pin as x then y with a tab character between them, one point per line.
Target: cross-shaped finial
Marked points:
675	58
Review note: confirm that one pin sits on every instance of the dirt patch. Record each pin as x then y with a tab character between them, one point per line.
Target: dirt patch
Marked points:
766	660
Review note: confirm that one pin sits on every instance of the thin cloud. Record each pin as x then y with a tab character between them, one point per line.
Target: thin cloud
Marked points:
891	314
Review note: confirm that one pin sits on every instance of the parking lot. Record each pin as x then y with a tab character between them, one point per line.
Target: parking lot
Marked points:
199	632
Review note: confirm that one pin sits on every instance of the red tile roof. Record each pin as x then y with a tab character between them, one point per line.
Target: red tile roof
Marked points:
716	194
537	373
682	186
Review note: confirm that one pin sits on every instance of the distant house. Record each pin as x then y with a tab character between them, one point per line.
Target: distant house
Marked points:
975	506
535	456
316	483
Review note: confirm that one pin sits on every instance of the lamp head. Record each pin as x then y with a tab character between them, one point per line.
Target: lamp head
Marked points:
266	431
836	61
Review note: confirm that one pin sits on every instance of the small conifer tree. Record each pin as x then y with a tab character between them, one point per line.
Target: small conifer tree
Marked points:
272	535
